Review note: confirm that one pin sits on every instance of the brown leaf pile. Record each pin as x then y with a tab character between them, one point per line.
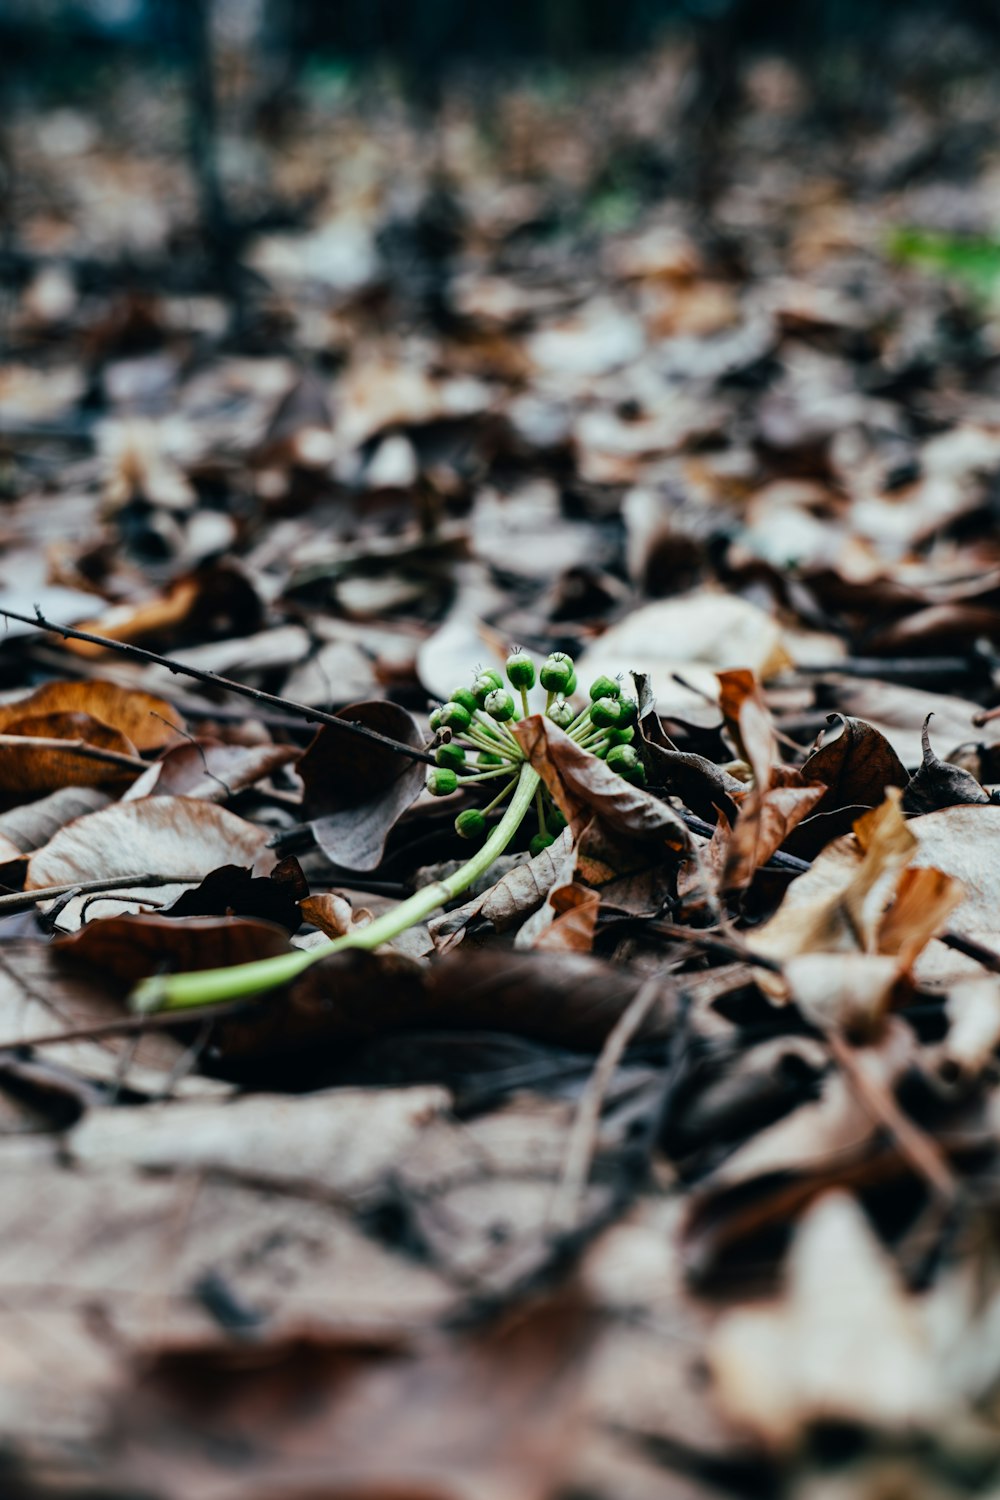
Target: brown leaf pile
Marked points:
663	1162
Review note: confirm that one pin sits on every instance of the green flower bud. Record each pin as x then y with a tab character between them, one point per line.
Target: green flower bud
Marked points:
450	755
466	698
470	824
487	758
434	719
539	842
555	820
455	716
630	712
605	687
571	685
487	682
499	705
561	713
623	759
441	783
520	670
556	673
621	736
606	713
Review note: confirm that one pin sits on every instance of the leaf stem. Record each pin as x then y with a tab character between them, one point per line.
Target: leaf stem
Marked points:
240	981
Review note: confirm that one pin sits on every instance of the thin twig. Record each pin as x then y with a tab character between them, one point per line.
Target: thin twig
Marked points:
923	1154
82	748
583	1136
256	695
128	1026
24	900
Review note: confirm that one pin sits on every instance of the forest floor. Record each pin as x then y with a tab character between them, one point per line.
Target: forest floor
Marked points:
660	1163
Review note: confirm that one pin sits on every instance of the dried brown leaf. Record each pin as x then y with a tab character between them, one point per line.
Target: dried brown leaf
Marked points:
583	787
147	722
175	837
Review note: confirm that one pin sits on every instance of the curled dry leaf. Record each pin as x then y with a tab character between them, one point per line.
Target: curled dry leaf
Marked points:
174	837
937	784
333	913
582	787
574	910
700	784
777	801
846	1343
855	767
147	722
356	791
837	906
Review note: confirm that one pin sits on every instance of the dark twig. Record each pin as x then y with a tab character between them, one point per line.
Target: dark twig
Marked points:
24	900
565	1210
256	695
115	759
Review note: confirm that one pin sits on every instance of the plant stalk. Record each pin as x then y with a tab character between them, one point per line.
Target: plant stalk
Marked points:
240	981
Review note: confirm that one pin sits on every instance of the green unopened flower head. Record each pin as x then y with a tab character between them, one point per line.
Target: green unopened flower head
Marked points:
561	713
557	672
487	759
605	687
434	719
539	842
520	670
499	705
486	682
442	781
466	698
624	760
470	824
455	716
621	736
450	755
606	713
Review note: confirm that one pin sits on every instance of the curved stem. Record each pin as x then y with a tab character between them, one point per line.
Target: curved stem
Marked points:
210	986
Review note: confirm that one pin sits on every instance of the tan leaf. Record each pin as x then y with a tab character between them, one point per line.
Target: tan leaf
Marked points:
31	762
149	723
845	1343
174	837
333	913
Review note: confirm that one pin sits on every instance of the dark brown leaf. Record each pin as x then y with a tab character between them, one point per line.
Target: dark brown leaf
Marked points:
355	793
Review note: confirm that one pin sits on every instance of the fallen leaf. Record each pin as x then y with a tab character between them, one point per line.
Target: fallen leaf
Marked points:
35	764
936	784
355	792
146	722
845	1344
177	838
855	766
133	946
582	786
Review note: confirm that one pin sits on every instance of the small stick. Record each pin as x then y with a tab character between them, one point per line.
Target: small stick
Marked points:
256	695
583	1137
82	748
24	900
923	1154
126	1026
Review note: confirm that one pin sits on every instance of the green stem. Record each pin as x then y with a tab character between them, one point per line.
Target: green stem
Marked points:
239	981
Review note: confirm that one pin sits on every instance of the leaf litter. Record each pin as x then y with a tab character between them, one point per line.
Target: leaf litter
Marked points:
665	1159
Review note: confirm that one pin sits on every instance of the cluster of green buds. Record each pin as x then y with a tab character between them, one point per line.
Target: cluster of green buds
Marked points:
475	744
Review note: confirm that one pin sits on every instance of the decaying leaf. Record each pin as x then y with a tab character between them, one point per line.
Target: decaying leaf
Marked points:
845	1344
146	722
